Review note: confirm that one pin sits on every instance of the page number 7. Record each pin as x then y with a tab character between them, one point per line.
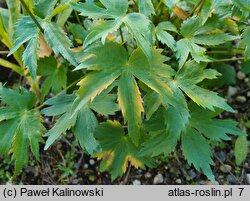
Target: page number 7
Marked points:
241	190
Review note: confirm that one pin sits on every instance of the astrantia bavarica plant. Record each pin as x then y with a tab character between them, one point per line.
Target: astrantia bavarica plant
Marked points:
141	63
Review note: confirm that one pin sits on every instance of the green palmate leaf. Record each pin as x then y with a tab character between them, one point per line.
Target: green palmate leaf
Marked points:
20	126
18	100
30	56
84	122
163	36
94	84
14	13
242	4
58	41
59	104
228	76
164	95
63	124
158	143
190	27
143	71
30	35
109	62
186	46
5	17
44	8
101	30
166	26
246	41
137	24
7	133
31	31
241	149
105	103
165	129
207	10
197	152
214	129
56	76
193	73
158	77
117	150
213	39
29	131
152	101
246	67
115	7
112	9
3	32
139	27
95	57
91	10
215	8
182	52
85	134
7	113
195	34
146	7
196	111
202	122
77	30
169	3
130	101
165	133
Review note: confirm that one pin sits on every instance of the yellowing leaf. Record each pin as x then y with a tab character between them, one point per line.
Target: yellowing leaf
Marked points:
179	12
118	150
44	49
58	41
130	101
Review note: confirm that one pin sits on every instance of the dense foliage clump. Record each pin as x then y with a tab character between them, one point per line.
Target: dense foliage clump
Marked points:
130	79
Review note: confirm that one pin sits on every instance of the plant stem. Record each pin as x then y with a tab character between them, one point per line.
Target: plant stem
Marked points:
77	18
73	83
230	59
199	5
35	87
31	15
12	66
234	51
39	107
60	8
120	29
158	5
68	87
21	72
122	37
226	48
4	52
